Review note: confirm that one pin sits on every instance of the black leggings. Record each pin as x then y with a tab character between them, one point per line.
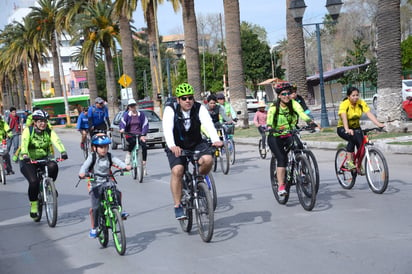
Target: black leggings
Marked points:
353	140
277	146
29	171
132	143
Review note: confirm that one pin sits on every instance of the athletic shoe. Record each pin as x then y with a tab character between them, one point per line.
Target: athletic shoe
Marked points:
282	191
93	233
127	159
179	213
34	211
350	165
125	215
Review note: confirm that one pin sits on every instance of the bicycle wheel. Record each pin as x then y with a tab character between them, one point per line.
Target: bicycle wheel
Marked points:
345	176
139	169
314	165
204	212
262	150
2	171
210	181
377	172
50	201
103	231
118	233
224	158
231	148
305	184
187	223
274	183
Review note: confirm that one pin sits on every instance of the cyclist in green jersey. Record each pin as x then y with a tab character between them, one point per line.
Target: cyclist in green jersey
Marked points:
36	143
282	117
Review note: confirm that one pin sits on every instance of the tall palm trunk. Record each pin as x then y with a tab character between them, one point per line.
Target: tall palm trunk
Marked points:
110	83
36	77
192	46
234	60
389	63
296	53
127	53
151	33
20	87
91	76
56	67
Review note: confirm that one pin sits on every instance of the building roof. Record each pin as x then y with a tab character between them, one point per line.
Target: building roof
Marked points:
333	74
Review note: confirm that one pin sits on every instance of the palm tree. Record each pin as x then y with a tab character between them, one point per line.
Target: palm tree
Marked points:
234	59
149	10
389	63
191	46
123	10
296	53
86	57
48	25
97	19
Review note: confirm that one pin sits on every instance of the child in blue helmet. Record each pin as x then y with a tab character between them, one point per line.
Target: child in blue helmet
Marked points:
99	162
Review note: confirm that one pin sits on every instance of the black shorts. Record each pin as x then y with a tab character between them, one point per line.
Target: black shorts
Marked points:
173	160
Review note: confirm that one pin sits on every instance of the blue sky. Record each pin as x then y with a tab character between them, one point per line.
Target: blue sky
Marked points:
270	14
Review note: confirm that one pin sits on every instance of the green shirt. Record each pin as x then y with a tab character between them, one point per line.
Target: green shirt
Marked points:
37	144
286	121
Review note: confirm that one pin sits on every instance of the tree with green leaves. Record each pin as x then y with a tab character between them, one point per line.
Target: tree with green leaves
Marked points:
406	49
256	56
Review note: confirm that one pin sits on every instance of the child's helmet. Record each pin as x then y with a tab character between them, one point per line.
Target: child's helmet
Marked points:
101	140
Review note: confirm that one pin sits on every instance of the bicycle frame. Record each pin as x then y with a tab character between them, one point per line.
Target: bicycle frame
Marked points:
359	155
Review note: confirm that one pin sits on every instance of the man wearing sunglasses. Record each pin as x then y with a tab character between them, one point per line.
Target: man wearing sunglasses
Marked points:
182	121
282	117
98	116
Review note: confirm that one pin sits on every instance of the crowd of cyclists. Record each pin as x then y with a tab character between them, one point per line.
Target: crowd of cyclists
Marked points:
184	120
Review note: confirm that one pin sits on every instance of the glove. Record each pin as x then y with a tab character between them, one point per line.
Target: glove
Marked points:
64	156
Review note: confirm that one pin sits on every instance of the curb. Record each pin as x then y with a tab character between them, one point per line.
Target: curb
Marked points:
382	145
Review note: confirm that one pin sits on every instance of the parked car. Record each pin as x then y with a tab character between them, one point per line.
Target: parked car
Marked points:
406	89
154	135
252	103
406	114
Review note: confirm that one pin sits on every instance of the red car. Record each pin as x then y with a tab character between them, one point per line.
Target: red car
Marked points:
407	109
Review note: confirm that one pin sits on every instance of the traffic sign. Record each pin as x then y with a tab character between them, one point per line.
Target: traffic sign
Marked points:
125	80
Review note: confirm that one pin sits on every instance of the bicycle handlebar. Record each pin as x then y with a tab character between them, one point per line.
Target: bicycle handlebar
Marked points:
91	175
380	129
40	161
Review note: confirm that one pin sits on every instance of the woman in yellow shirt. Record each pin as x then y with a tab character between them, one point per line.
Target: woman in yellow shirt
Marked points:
350	112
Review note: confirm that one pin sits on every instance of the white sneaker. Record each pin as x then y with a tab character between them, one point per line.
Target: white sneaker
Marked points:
127	159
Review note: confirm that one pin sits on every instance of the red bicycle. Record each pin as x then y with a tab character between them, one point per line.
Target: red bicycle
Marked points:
374	163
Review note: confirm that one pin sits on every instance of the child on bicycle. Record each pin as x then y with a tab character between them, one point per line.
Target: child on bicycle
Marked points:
260	121
350	112
99	162
83	126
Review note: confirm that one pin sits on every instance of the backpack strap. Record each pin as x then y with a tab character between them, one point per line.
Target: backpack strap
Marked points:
91	167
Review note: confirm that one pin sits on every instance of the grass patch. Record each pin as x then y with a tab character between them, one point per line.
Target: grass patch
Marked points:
408	143
247	132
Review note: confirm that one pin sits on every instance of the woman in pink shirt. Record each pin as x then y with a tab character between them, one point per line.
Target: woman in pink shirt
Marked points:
260	121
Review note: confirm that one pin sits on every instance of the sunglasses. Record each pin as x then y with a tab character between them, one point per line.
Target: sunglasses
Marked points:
285	93
184	98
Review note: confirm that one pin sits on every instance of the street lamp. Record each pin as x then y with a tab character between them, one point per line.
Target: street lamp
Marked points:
273	59
297	8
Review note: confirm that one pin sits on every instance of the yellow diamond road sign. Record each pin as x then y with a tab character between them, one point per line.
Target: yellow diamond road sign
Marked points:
125	80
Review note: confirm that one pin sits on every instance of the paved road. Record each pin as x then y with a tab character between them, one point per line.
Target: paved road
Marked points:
352	231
